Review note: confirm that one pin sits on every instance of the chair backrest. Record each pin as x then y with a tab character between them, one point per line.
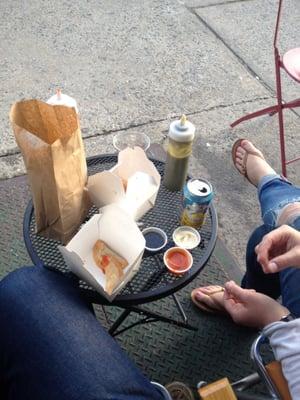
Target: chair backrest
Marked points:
271	374
277	24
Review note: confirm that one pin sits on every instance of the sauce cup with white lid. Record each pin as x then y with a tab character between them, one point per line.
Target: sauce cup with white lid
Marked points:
186	237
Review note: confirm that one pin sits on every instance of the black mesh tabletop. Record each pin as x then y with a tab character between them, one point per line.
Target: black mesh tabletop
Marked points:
153	280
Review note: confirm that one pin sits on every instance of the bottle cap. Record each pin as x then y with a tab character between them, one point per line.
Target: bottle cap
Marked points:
182	130
60	99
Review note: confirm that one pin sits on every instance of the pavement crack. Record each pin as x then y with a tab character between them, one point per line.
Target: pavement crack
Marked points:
154	121
11	152
16	151
222	3
240	59
251	71
231	105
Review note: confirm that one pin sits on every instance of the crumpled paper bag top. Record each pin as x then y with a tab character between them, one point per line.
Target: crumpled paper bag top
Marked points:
54	122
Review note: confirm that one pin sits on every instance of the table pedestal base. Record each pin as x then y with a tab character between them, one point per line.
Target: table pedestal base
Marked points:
149	316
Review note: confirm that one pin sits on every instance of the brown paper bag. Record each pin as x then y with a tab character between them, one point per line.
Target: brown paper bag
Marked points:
50	141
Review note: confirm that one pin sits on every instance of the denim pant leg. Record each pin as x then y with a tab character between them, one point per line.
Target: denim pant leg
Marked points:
255	278
274	193
52	346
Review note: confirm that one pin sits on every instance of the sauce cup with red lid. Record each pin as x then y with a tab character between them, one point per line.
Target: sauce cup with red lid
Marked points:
178	260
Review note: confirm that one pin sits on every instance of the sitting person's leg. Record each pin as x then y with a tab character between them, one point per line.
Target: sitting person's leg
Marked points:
210	298
255	278
52	346
280	204
279	200
285	283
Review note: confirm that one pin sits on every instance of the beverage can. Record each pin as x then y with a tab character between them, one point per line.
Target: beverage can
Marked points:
197	195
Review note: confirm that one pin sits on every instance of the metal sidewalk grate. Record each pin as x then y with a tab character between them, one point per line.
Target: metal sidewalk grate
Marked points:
164	352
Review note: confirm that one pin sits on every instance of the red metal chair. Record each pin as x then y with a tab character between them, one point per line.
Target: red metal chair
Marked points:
290	63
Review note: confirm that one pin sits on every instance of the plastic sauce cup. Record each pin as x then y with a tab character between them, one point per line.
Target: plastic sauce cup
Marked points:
178	260
156	239
186	237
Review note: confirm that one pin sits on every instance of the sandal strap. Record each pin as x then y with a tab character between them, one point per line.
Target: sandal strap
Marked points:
254	152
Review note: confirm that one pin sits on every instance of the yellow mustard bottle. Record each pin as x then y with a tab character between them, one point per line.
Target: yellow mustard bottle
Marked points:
180	141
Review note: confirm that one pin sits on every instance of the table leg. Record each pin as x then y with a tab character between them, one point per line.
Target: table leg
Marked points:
149	317
179	307
118	322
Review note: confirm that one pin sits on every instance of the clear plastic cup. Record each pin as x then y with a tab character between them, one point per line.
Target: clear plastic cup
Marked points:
122	140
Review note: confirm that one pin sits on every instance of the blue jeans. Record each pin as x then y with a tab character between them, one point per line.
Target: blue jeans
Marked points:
274	193
52	346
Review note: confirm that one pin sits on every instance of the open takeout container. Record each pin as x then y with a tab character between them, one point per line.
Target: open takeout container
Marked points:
132	184
119	231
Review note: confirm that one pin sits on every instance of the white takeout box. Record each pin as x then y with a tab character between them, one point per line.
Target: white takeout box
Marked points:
119	231
132	184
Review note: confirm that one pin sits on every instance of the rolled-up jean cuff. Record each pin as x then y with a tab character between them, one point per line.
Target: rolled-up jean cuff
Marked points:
266	179
296	223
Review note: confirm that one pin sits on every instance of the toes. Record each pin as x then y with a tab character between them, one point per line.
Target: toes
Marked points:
240	152
240	155
239	162
250	148
209	290
247	145
240	166
211	301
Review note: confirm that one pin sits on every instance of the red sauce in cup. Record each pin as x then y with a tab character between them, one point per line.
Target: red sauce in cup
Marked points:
178	260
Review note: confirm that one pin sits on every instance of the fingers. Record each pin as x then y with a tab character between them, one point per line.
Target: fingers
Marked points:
235	301
288	259
235	292
282	241
263	250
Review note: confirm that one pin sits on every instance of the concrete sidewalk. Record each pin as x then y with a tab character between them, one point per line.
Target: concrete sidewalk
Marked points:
135	65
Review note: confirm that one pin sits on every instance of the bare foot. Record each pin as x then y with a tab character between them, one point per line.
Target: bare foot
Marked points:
209	298
249	161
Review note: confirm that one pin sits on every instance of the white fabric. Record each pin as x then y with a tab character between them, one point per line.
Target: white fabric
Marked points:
284	339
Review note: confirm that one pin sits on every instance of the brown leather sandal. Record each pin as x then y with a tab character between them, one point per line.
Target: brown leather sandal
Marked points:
257	153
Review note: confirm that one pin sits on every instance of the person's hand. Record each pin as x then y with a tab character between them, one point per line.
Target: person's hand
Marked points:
250	308
279	249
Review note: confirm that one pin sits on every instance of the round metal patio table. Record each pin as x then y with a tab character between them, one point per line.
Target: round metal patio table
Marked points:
153	281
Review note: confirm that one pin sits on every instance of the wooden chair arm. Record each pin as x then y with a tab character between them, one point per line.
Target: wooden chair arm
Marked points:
275	372
219	390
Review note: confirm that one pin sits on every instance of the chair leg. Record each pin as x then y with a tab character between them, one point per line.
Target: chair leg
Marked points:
292	104
269	110
280	113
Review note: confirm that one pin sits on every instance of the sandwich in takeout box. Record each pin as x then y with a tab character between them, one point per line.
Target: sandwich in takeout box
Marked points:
107	251
132	184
